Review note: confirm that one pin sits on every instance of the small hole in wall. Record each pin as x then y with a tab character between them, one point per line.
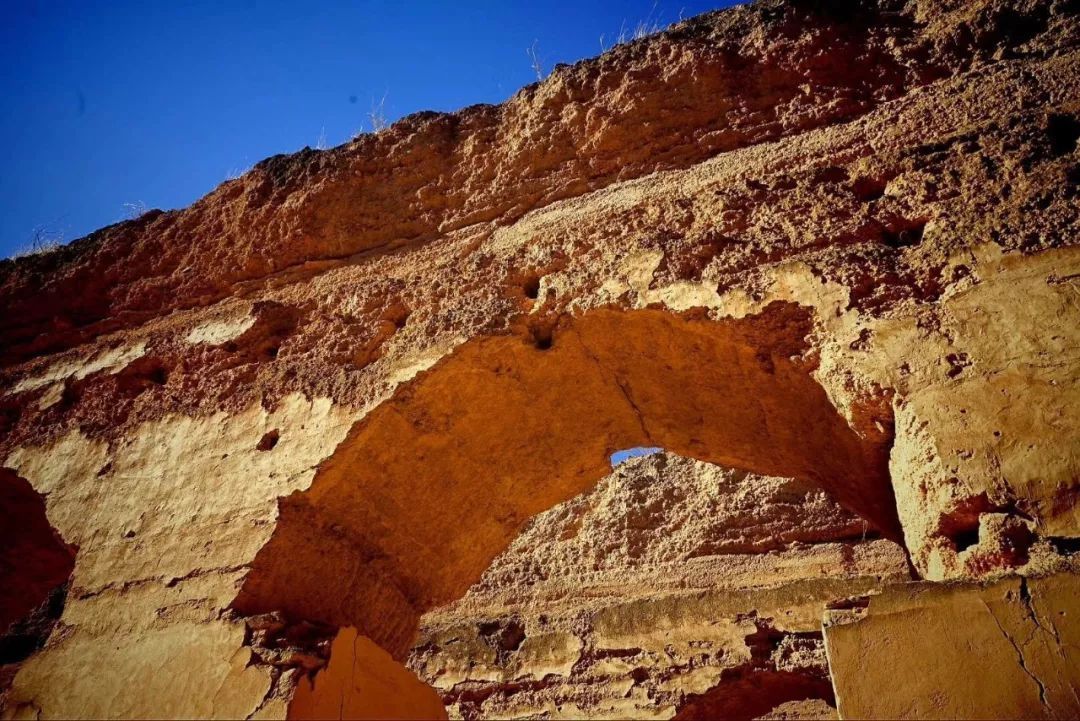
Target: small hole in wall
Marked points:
1072	179
543	336
141	375
905	237
966	538
636	452
868	189
532	287
1065	546
70	396
961	525
508	636
268	441
1063	132
957	363
512	636
831	174
9	418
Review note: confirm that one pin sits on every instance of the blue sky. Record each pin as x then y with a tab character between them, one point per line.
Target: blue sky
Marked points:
156	103
636	452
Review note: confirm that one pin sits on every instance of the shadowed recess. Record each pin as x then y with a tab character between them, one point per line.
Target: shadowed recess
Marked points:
34	560
752	694
429	487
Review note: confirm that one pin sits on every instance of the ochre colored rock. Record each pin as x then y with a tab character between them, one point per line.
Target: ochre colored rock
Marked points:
342	427
454	455
362	681
675	588
1005	650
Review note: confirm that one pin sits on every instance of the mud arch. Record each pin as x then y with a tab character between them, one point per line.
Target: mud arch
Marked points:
429	487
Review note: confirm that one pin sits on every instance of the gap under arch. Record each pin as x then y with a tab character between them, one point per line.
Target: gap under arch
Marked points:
636	452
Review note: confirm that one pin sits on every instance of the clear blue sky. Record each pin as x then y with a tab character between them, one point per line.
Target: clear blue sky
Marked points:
155	102
636	452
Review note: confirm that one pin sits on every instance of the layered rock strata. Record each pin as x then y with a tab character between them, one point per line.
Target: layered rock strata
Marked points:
337	435
674	587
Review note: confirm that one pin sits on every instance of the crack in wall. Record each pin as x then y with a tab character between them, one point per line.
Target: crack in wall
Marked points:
1019	653
622	386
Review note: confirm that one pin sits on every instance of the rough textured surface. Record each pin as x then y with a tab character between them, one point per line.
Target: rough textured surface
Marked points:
674	588
455	455
825	256
1026	665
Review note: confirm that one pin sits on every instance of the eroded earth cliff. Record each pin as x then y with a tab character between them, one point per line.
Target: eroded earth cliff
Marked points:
334	441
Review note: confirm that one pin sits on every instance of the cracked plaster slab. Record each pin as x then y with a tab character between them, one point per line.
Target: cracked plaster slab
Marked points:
921	650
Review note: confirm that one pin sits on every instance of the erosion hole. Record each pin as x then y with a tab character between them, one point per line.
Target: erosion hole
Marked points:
1063	131
965	538
961	525
531	287
868	189
139	376
269	440
906	235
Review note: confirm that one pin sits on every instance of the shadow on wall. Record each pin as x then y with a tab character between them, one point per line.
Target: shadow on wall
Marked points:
35	566
428	488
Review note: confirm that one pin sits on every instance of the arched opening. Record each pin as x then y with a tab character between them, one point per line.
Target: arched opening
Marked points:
428	488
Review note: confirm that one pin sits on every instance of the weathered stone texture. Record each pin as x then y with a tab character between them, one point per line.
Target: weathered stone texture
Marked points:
670	586
1006	650
341	429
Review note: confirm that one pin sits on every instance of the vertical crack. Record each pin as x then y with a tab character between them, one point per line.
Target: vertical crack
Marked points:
621	385
630	400
1049	627
1025	597
1019	654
